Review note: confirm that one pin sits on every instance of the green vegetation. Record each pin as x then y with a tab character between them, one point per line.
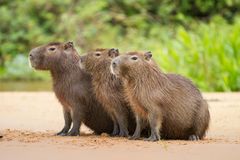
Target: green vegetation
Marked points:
19	69
199	39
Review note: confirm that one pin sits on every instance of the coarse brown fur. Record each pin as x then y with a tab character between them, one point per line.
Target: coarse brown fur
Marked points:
108	89
72	87
173	106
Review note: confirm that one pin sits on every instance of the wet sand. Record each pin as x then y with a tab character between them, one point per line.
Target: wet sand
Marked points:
29	120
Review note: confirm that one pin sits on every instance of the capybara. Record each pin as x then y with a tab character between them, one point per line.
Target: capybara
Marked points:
173	106
108	88
72	87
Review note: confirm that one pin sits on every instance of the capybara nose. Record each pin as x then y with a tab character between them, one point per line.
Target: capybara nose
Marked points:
114	64
31	56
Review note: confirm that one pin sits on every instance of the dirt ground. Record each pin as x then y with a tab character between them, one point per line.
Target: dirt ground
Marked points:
29	120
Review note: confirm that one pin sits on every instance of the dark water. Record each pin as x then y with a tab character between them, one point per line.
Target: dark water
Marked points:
26	86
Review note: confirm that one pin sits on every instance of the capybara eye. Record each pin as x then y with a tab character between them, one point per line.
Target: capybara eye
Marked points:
97	54
52	49
134	58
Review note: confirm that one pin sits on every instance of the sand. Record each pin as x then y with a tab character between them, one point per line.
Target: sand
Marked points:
29	121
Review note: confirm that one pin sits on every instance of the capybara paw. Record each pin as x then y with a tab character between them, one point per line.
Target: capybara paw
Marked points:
123	134
114	133
193	138
152	138
61	134
134	137
73	133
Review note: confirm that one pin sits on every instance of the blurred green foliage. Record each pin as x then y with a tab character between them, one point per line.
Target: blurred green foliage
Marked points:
19	69
197	38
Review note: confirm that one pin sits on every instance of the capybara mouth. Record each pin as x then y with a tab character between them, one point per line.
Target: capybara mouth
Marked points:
113	70
81	65
33	63
81	62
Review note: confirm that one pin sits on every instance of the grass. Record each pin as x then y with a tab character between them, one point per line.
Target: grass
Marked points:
210	56
207	53
19	69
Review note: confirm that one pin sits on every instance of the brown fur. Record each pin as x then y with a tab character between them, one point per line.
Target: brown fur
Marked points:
108	88
72	86
170	103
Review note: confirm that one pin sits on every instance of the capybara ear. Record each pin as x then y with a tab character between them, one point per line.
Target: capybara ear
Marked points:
113	52
68	45
148	55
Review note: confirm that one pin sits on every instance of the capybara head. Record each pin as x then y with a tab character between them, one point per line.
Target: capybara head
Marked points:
98	60
52	55
132	64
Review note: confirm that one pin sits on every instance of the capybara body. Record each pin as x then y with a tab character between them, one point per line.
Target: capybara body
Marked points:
108	89
172	105
72	87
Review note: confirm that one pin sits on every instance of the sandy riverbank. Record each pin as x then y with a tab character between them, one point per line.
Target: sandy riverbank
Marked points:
29	120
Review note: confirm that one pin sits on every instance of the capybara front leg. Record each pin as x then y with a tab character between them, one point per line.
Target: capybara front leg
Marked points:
123	124
68	122
76	119
115	127
155	121
138	129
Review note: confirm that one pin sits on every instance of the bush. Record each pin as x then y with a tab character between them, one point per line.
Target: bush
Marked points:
19	69
209	54
196	38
